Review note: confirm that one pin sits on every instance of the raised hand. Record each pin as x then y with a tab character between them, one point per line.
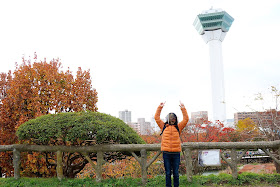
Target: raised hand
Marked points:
181	105
162	104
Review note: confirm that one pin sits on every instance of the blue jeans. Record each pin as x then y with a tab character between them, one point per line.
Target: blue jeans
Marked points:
171	163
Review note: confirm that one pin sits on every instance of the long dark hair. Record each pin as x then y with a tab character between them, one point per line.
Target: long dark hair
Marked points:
167	119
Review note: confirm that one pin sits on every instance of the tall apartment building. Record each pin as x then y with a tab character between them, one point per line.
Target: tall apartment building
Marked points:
142	127
154	125
135	126
125	116
199	117
145	127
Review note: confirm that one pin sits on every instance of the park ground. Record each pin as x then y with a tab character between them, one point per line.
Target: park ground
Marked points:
258	168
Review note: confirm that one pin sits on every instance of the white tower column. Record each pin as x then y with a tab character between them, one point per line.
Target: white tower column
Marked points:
214	40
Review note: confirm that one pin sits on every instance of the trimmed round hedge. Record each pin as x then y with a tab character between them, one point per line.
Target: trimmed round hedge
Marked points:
75	127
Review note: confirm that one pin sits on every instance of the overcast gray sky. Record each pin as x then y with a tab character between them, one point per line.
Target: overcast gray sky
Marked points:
141	53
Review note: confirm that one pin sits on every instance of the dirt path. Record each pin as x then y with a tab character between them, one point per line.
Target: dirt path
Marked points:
260	168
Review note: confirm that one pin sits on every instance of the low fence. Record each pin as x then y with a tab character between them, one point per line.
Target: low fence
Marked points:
187	149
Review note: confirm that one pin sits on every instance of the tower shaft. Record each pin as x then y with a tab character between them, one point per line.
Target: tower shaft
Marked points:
217	80
214	40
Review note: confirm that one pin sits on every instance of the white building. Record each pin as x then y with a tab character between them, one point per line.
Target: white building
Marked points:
135	126
199	117
154	125
145	127
125	116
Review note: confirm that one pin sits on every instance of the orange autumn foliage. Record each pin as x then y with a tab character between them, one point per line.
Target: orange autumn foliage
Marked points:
151	139
197	132
35	89
126	168
209	132
35	165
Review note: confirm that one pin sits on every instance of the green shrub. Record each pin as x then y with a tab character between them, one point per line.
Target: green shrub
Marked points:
249	178
75	129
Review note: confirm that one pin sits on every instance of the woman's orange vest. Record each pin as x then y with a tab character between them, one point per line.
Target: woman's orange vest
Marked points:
170	141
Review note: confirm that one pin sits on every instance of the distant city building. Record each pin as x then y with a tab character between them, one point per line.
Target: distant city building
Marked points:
155	125
142	127
243	115
145	127
199	117
230	123
141	121
135	126
265	118
125	116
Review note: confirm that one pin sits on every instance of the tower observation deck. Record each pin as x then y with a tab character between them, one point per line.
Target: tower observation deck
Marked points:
212	25
213	19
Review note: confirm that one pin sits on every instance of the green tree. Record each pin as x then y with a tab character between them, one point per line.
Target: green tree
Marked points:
77	129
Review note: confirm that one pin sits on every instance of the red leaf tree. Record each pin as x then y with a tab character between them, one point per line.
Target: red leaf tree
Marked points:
209	132
36	89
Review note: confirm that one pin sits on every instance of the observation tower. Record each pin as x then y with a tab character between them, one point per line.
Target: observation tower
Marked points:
212	25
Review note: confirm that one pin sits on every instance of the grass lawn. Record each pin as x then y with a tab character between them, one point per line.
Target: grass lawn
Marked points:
244	179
